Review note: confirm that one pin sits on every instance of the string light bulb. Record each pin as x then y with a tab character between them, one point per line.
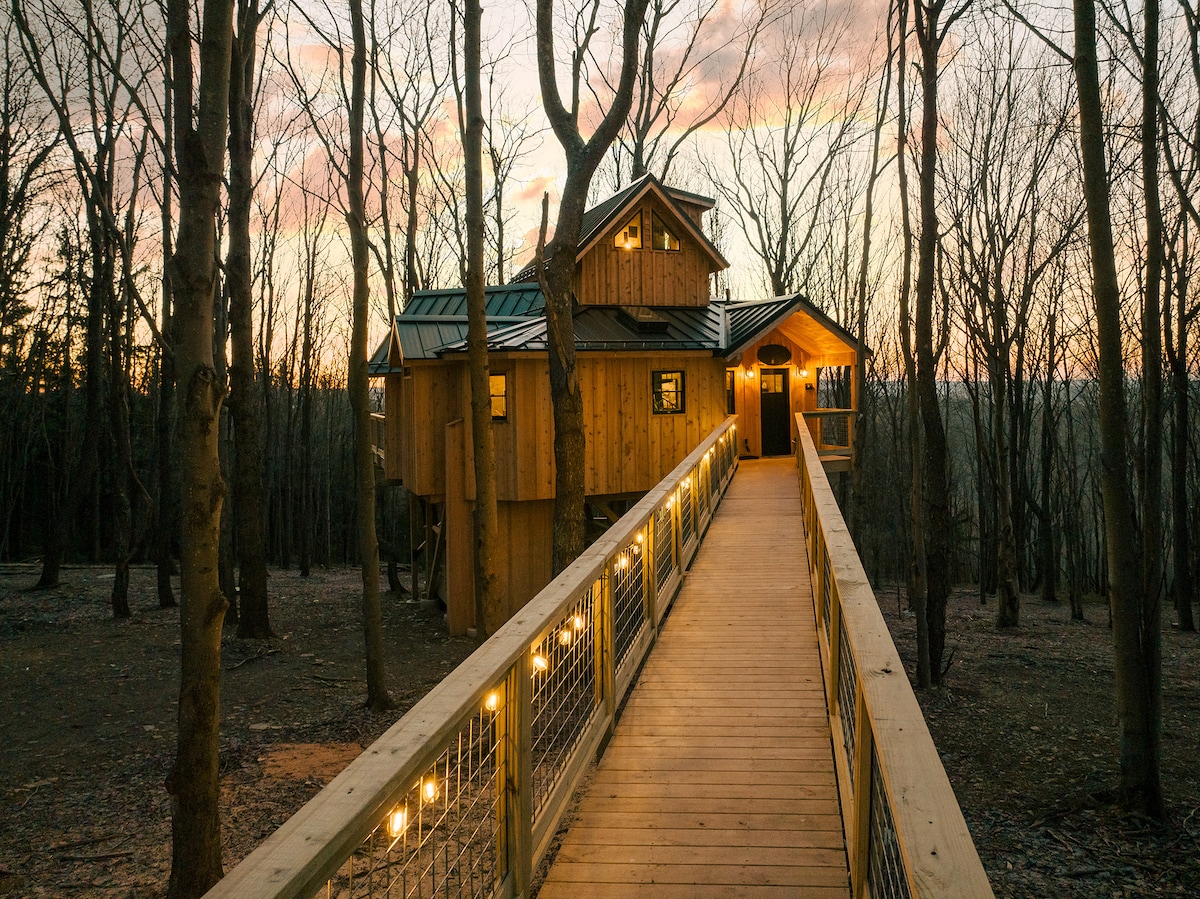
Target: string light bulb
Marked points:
564	637
492	702
429	789
578	623
540	663
397	821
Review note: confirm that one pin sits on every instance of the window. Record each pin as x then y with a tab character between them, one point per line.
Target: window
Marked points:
729	382
668	392
660	237
630	237
498	385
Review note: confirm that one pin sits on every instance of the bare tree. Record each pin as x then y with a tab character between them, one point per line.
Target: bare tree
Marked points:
695	56
1134	628
245	397
201	107
557	274
786	127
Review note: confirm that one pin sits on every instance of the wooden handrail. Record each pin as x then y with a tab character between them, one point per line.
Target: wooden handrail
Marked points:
516	778
905	833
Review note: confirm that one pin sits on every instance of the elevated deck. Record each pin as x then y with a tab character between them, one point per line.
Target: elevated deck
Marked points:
720	779
772	744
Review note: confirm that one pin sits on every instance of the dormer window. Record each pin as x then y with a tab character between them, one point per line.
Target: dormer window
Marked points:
630	237
660	237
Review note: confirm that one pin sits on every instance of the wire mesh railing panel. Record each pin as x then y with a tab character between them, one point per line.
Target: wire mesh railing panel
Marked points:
885	866
847	690
629	599
835	430
687	513
664	543
826	587
441	838
565	693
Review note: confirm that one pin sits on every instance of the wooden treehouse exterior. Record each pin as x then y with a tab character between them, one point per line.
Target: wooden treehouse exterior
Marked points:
661	365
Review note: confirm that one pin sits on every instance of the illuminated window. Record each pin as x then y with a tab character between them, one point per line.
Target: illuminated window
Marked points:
660	237
729	382
668	392
630	237
499	390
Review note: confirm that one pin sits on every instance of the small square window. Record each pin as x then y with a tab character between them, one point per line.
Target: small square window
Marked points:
499	391
660	237
668	392
630	237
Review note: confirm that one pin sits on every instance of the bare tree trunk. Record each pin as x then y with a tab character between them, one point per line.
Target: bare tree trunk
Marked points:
364	464
167	517
917	579
557	276
1048	546
489	611
193	781
245	398
1183	588
935	462
1137	679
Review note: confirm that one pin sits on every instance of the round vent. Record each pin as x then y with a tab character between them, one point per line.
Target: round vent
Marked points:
774	354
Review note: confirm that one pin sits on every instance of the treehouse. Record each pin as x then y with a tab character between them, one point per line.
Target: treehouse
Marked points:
661	364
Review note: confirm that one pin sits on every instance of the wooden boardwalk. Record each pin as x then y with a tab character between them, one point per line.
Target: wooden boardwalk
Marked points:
719	780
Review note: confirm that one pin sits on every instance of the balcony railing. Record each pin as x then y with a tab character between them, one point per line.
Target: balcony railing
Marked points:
832	432
463	795
905	834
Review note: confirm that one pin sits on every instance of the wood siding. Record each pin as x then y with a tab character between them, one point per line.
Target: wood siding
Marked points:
419	404
608	276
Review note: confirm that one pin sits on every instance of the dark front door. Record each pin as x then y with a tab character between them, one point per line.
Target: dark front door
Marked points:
776	412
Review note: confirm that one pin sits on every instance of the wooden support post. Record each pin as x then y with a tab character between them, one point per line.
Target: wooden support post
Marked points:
650	575
605	649
858	849
519	774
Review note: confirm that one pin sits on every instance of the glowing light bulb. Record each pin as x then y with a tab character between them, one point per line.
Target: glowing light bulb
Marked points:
564	637
623	562
540	664
429	789
640	538
397	821
577	622
492	702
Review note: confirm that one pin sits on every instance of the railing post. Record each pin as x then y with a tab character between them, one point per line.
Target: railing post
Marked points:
650	575
605	649
860	812
519	771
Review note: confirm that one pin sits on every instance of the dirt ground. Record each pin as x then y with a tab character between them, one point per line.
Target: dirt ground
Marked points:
1025	725
87	721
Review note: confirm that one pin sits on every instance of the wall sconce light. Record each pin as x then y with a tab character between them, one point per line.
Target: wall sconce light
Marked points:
804	371
750	373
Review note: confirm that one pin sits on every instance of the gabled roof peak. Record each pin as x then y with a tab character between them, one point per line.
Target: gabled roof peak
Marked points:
599	217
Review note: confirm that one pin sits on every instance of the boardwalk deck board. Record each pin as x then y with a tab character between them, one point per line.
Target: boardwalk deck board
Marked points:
719	780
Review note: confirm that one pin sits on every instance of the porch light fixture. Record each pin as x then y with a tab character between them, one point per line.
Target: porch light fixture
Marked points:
750	373
804	371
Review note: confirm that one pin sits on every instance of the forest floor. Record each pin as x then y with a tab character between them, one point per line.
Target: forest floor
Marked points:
87	720
1025	726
